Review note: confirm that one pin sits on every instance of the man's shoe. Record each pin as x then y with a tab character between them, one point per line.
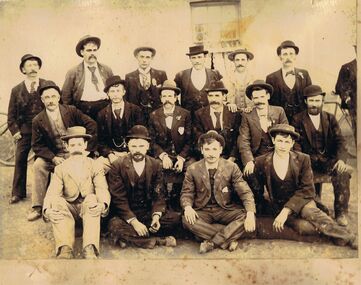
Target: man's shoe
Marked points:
342	220
65	252
169	241
89	252
206	246
14	200
353	243
233	246
34	214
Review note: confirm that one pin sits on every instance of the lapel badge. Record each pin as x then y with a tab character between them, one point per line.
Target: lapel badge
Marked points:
181	130
225	190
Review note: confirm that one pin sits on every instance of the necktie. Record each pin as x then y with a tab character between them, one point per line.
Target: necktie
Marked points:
94	78
168	115
218	121
212	172
32	87
290	73
145	83
117	113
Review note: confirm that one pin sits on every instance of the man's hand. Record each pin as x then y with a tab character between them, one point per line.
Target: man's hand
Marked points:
247	110
232	107
250	222
179	165
17	137
140	228
340	166
190	214
231	158
155	225
57	160
281	219
249	168
96	209
112	157
167	162
55	216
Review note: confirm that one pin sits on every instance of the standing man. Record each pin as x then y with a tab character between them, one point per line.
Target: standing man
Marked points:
193	82
322	139
138	203
206	198
48	128
288	82
84	84
24	105
217	117
143	84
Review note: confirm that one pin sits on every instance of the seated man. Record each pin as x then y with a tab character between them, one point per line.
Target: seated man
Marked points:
207	198
138	204
78	190
114	122
289	181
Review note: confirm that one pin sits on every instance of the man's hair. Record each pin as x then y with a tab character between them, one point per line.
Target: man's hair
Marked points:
116	85
282	134
209	138
258	88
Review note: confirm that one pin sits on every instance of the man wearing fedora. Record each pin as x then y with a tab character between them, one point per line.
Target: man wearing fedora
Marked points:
48	128
322	139
216	116
114	122
143	84
194	81
238	80
207	198
254	139
288	178
288	82
171	131
138	207
24	105
84	84
78	190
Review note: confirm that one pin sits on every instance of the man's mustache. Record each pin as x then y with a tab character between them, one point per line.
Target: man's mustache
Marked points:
168	102
92	56
214	103
240	65
288	61
32	72
259	104
77	152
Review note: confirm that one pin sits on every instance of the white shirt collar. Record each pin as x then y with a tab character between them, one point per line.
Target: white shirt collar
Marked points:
86	65
28	82
144	71
203	70
315	119
54	114
139	166
215	166
171	111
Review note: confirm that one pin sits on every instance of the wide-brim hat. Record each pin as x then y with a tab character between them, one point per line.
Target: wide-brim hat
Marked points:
196	50
287	44
212	134
27	57
138	132
170	85
76	132
84	40
313	90
258	85
113	80
217	86
48	84
138	49
232	55
284	129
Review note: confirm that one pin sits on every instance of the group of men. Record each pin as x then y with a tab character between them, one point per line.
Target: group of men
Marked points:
127	149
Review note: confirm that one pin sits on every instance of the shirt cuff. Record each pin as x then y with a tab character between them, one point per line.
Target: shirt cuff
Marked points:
181	158
158	214
131	219
161	156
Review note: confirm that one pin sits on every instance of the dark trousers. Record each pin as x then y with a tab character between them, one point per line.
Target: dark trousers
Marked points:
119	228
23	147
92	108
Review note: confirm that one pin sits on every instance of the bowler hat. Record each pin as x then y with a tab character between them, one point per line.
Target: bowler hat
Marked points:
138	132
216	86
113	80
76	132
138	49
232	55
170	85
287	44
27	57
258	85
284	129
84	40
313	90
48	84
196	50
212	134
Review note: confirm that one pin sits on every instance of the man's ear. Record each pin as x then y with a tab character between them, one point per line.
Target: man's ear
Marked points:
86	144
66	145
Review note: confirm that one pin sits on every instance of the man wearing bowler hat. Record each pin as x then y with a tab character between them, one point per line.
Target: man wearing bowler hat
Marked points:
138	207
48	128
288	82
24	105
194	81
78	190
114	122
84	84
322	139
143	84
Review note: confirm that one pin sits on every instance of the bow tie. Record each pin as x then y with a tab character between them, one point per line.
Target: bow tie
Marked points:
168	114
290	73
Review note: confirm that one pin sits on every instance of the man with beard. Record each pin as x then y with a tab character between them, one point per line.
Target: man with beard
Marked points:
288	82
138	204
322	139
78	190
48	128
24	105
84	84
217	117
193	82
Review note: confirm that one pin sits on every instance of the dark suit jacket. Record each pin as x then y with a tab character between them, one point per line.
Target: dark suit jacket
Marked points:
301	170
181	132
346	85
250	131
334	140
188	98
132	116
73	86
43	138
18	110
135	89
231	122
196	190
121	181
